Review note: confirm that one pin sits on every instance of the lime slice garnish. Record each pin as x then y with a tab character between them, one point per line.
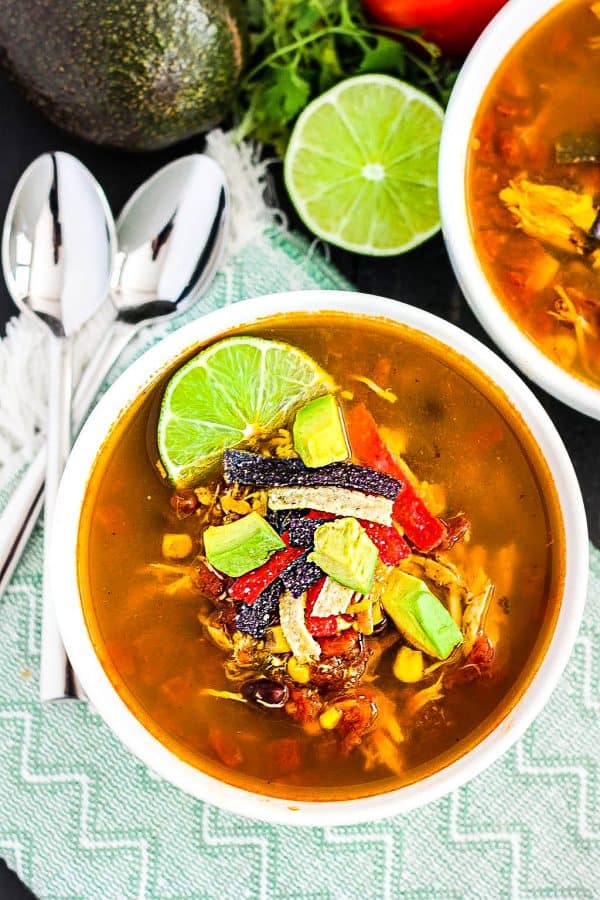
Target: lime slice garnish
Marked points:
361	166
237	389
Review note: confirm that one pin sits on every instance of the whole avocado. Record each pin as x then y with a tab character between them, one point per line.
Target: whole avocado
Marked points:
134	74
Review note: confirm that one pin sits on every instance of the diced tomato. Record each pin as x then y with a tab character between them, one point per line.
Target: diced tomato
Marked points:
285	755
487	436
456	529
304	705
359	713
226	747
391	545
479	664
207	581
340	644
248	587
482	655
421	528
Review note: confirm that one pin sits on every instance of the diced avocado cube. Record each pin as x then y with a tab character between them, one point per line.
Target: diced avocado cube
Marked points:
242	545
419	615
344	551
319	435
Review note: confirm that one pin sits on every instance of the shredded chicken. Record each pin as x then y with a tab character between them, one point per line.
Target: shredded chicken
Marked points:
552	214
172	579
475	613
222	695
382	745
416	702
566	312
382	393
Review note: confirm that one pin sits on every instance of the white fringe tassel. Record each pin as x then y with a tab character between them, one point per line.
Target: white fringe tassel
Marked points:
23	384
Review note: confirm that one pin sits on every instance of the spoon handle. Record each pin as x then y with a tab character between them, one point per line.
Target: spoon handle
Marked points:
53	662
23	508
106	355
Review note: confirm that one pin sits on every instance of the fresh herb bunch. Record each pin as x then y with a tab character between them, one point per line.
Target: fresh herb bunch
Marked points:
300	48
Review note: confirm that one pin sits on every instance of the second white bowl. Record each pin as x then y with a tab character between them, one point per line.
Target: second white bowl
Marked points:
503	32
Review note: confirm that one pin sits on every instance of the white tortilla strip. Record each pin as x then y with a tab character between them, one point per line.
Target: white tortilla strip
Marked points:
335	500
291	616
333	600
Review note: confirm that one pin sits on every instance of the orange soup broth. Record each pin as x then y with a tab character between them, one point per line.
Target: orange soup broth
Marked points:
547	86
460	433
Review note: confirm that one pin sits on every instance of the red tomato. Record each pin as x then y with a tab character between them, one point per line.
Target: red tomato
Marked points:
454	25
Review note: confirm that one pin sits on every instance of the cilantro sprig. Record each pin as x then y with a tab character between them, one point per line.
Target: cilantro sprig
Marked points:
300	48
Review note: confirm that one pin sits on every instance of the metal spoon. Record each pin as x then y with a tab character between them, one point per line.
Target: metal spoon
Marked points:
171	236
58	247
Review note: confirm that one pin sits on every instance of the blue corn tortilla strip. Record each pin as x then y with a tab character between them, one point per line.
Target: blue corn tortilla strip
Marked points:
298	577
302	531
281	519
255	619
270	471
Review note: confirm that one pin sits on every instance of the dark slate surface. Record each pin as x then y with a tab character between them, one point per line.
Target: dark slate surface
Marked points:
423	278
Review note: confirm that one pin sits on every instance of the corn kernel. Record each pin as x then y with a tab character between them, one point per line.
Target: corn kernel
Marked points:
361	606
330	718
408	665
300	672
176	546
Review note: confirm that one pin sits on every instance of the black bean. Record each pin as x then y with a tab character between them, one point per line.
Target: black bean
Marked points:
266	693
184	504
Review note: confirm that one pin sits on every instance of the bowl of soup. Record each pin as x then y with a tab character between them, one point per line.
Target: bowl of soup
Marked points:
319	557
519	187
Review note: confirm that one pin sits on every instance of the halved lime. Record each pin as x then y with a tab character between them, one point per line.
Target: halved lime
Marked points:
236	389
361	165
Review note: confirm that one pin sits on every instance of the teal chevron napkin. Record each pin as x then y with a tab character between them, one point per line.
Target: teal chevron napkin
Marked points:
81	817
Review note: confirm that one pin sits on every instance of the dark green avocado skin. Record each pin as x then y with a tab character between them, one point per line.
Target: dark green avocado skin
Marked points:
134	74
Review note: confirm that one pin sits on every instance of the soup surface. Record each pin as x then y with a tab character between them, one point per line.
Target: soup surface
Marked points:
533	184
378	708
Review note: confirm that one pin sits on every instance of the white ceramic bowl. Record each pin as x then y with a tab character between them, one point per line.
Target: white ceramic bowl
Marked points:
503	32
104	696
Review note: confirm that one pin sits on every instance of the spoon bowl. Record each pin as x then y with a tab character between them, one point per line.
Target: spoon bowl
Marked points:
171	235
58	243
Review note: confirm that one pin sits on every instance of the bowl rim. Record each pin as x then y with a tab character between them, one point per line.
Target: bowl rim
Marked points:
500	36
103	695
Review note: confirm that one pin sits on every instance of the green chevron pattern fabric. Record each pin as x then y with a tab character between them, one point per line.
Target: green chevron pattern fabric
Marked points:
80	817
